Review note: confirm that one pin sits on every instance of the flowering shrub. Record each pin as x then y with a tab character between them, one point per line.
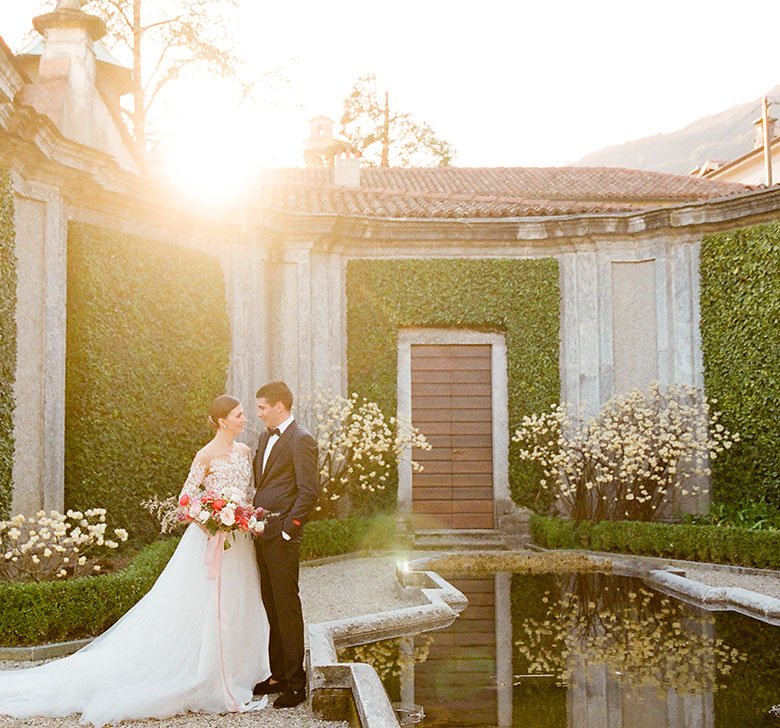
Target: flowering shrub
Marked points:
624	463
358	447
55	546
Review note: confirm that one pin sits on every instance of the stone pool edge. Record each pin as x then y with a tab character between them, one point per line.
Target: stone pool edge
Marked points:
328	676
748	602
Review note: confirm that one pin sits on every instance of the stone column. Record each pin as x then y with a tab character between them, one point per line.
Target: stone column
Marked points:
246	287
308	320
39	389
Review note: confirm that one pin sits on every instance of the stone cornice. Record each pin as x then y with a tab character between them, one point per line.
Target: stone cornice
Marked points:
32	145
12	77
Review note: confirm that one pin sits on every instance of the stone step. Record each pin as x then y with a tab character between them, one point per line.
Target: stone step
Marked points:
461	539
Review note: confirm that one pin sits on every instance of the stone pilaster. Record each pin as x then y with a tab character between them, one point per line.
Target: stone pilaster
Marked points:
39	390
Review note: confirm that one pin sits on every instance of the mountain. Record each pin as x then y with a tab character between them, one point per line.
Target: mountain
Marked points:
723	136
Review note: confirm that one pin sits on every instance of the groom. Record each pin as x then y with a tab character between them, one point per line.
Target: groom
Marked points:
287	483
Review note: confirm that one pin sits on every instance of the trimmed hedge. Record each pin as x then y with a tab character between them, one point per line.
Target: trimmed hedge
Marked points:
7	340
36	613
331	537
520	298
148	341
54	611
740	327
760	549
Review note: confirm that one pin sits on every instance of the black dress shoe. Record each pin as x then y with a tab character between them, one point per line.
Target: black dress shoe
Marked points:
268	688
290	698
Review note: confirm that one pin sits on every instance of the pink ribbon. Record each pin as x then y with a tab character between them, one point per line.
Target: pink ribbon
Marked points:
214	548
213	557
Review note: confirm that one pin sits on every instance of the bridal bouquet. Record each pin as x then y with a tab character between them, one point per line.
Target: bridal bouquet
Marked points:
222	510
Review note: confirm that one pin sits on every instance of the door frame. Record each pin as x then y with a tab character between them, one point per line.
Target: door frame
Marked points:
500	405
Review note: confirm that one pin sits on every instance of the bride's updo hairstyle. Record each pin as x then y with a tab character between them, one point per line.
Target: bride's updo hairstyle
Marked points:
222	406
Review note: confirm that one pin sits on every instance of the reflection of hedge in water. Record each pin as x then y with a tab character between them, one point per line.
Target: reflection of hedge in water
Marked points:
148	339
537	701
7	339
642	637
754	684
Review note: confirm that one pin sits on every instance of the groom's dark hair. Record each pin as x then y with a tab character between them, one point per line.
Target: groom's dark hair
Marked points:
274	392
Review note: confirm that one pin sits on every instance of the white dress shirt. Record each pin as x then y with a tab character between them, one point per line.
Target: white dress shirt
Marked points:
274	439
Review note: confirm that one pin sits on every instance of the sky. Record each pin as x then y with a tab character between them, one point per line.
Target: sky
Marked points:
506	82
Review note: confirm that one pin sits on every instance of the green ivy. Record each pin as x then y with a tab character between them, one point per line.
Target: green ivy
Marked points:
148	341
7	339
520	298
740	325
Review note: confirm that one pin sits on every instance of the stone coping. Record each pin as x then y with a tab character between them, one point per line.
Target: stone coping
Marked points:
42	652
668	576
327	674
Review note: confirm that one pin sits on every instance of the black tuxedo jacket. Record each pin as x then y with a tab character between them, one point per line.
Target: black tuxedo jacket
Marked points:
289	485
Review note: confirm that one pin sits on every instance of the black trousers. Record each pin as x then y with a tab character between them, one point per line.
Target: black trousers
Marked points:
279	560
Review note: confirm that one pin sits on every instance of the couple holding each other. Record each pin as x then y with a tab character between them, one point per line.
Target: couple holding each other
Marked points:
194	643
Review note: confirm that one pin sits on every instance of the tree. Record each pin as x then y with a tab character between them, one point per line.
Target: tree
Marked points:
385	136
166	38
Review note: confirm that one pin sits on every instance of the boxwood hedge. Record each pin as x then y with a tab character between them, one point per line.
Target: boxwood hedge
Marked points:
37	613
54	611
714	544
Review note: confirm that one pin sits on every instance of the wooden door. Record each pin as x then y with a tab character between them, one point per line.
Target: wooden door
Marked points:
452	406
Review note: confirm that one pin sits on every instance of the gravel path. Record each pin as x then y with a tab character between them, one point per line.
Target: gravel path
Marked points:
343	588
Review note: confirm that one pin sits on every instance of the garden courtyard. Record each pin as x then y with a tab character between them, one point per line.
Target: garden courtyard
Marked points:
544	401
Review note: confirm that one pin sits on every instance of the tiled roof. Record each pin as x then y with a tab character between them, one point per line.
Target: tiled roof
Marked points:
456	192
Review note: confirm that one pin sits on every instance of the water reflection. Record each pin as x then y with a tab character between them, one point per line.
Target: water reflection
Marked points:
578	651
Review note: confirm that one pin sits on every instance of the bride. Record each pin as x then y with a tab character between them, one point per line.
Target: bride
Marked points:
181	648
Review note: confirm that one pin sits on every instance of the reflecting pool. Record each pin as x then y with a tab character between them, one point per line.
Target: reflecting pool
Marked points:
582	651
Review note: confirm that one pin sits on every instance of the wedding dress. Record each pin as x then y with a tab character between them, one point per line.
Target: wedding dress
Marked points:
165	656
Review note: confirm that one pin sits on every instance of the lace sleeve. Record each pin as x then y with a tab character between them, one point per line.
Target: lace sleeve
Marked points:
195	478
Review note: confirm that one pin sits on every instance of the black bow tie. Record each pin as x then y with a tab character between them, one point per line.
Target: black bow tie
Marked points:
273	431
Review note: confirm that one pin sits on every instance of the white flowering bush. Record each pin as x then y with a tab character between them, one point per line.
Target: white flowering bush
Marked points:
641	449
358	447
55	546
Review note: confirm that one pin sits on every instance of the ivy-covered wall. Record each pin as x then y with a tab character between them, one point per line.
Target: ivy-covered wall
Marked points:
740	325
7	339
148	340
520	298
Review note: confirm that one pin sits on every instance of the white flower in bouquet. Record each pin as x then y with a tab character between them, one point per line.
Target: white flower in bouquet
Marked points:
195	509
227	516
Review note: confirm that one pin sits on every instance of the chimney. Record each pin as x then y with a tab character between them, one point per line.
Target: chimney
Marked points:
758	136
346	171
65	87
